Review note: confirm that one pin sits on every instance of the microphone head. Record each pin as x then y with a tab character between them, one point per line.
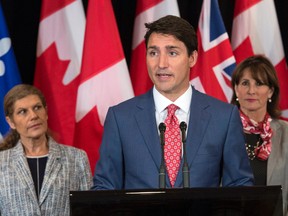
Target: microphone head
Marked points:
183	125
162	127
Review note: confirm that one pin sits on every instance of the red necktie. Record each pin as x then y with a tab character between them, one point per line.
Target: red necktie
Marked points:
172	149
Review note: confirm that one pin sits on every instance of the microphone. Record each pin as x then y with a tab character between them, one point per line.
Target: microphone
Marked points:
162	171
185	169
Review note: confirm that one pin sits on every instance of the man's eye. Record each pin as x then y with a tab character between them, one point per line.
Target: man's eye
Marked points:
152	53
173	53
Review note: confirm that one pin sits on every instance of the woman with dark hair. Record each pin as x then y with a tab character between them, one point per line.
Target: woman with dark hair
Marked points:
36	172
256	93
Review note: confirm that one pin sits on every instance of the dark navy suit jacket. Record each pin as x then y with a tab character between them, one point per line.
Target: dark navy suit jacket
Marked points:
130	153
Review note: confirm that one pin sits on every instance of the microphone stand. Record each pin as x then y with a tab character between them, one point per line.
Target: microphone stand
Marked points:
162	171
185	169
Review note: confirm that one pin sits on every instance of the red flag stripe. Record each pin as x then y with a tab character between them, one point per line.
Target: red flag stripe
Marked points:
256	31
59	53
148	11
215	60
242	6
104	78
145	5
50	7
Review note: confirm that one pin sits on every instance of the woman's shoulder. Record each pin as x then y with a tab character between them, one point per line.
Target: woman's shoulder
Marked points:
280	127
4	154
72	149
65	149
14	151
280	123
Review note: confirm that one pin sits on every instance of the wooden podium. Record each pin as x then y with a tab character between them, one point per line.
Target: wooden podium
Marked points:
234	201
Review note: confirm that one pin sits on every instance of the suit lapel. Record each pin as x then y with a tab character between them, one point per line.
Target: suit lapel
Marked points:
198	122
22	171
52	168
148	128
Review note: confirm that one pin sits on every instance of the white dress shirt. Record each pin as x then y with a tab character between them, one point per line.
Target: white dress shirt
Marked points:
183	102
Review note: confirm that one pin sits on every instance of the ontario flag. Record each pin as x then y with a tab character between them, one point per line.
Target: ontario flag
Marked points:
215	64
146	11
59	56
256	31
104	79
9	73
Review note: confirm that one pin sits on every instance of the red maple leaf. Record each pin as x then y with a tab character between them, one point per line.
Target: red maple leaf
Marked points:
61	99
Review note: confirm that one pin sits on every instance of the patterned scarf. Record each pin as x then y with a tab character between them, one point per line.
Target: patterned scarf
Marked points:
263	128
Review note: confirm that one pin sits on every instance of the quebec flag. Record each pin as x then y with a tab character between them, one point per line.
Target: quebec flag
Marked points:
212	72
9	73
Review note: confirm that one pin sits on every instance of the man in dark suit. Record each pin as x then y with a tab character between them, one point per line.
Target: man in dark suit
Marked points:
130	153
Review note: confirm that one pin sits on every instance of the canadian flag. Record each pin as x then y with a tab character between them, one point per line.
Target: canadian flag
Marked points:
59	54
256	31
146	11
215	64
104	79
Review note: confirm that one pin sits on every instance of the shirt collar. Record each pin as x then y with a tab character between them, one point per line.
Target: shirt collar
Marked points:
183	102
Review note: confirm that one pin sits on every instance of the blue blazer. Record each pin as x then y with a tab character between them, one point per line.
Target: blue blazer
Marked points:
130	153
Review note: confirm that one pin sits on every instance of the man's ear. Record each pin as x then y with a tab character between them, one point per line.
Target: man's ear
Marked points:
10	122
193	58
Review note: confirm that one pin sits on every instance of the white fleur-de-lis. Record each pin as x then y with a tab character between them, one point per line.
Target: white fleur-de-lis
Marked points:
5	45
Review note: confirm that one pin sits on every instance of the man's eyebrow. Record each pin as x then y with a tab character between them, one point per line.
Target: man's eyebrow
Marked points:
153	47
167	47
172	47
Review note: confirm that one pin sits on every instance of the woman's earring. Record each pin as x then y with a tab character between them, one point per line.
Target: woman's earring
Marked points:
269	100
237	99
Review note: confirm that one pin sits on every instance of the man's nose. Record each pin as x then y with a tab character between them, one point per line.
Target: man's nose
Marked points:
163	61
